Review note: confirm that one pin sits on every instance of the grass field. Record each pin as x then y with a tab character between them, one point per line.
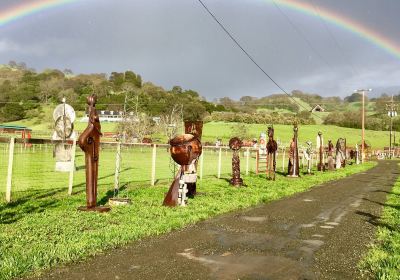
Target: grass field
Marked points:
378	139
383	259
214	130
42	228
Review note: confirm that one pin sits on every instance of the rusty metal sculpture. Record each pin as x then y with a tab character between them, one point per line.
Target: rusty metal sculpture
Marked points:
307	154
185	150
340	153
272	146
320	146
331	162
195	128
235	144
89	142
293	165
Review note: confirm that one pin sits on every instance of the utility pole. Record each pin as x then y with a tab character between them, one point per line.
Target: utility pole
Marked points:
392	112
362	91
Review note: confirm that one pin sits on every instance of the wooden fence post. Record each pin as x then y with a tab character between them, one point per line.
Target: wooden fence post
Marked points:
247	160
10	169
153	165
201	165
219	162
72	170
117	166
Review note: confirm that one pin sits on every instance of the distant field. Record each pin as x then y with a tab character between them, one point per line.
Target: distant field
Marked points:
214	130
378	139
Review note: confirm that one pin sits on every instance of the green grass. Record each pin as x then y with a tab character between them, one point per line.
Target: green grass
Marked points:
42	228
214	130
378	139
383	259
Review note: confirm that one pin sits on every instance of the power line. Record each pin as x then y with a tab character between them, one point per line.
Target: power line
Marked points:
249	56
332	36
301	34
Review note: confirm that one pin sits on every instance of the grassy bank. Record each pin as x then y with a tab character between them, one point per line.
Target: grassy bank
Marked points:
383	259
43	229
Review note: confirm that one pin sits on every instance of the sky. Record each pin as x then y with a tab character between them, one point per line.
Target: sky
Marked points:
176	42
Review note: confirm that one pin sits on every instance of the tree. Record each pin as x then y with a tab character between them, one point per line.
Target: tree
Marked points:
50	88
355	97
193	112
68	71
12	112
139	127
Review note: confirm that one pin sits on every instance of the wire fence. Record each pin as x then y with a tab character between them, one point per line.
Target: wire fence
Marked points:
33	166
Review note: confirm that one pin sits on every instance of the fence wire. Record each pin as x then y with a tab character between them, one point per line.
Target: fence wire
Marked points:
34	167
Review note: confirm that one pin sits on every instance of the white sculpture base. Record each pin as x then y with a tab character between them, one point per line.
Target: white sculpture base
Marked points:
64	166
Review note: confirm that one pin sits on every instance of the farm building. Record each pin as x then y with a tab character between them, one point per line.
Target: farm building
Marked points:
317	108
24	131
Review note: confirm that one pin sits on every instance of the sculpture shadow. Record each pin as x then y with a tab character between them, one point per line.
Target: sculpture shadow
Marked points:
374	220
109	195
386	192
36	201
394	206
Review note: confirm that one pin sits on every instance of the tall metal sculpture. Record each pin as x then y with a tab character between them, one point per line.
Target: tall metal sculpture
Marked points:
235	144
320	147
331	161
89	142
272	147
340	153
293	165
185	150
195	128
307	153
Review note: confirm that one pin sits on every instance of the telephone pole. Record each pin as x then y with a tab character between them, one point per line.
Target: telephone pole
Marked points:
392	112
362	91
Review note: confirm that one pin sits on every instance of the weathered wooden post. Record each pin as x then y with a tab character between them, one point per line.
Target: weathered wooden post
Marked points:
117	167
219	163
247	160
10	169
201	165
153	165
71	171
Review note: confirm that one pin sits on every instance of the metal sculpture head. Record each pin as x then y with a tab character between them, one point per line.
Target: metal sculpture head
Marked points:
235	143
185	148
91	100
271	131
341	144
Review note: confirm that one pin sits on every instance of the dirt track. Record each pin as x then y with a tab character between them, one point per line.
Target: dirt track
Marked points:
319	234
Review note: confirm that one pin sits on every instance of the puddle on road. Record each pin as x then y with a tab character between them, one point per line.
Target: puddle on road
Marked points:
328	227
254	219
248	265
332	223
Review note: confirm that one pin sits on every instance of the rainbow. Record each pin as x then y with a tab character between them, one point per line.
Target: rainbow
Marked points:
344	23
31	7
16	12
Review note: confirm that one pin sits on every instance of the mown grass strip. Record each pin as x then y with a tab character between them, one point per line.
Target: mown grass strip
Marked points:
383	259
43	228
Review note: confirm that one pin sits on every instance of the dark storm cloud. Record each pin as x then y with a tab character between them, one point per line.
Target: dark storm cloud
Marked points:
177	43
